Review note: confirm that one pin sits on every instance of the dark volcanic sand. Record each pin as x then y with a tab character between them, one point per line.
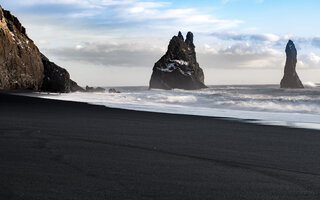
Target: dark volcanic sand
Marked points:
63	150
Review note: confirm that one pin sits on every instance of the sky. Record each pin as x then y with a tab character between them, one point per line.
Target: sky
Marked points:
116	43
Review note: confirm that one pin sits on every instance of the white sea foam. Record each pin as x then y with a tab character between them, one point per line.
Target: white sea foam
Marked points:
310	84
267	104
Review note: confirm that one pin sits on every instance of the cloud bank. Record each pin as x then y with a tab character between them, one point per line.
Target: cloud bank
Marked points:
135	33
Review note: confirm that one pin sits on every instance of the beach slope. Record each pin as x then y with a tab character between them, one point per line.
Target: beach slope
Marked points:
64	150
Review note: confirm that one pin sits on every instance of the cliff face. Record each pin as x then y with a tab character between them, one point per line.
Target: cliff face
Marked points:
178	68
20	61
291	78
23	67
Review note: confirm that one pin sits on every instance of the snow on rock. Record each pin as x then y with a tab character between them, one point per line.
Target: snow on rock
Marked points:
181	62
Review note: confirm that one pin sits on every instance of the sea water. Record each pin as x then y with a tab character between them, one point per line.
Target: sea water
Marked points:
266	104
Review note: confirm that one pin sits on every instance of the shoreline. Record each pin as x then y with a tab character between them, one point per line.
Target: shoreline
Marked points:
52	149
273	118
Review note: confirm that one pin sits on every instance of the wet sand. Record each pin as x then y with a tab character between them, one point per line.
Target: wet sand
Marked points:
64	150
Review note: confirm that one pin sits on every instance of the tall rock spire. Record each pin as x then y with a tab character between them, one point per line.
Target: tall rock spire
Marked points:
291	78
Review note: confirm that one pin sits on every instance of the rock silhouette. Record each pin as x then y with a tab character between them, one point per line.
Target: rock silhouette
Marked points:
56	79
291	78
113	90
74	87
178	68
94	89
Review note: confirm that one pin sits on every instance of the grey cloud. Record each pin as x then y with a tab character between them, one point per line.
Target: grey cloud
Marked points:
254	57
226	61
238	55
144	55
132	55
242	56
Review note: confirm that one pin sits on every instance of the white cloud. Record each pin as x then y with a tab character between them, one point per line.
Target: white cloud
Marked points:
262	37
114	13
314	58
310	60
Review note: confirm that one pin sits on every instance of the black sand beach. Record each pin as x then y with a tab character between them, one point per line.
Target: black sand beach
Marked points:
63	150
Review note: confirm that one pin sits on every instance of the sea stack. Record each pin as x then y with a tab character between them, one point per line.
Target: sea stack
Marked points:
178	68
291	78
22	66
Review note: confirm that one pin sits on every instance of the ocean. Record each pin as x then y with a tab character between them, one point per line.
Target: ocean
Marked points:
264	104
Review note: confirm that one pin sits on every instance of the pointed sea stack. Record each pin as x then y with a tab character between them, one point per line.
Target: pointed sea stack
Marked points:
291	78
178	68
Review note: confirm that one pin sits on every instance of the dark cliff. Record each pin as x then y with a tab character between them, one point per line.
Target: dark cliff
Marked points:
22	66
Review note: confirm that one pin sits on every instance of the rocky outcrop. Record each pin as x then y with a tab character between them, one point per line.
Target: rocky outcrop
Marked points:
23	67
20	60
93	89
56	79
113	90
74	87
291	78
178	68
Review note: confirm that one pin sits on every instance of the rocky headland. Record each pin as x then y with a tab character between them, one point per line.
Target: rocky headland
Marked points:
178	68
23	66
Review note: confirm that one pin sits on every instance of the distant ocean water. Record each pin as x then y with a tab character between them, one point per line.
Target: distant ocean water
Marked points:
266	104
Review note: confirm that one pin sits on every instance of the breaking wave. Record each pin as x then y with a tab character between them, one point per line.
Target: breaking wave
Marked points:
266	103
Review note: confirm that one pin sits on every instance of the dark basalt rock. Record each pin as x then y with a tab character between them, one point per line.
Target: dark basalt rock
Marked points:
291	78
178	68
93	89
56	79
112	90
74	87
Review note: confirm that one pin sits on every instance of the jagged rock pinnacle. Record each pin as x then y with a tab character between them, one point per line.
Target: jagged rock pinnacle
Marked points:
180	35
189	39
